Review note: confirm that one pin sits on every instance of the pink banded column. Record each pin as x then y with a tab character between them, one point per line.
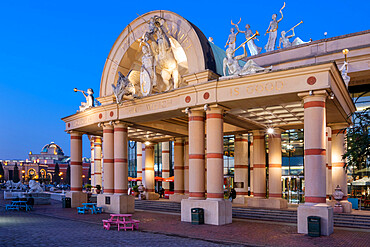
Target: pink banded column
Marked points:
166	164
275	161
186	166
179	166
329	181
338	146
149	168
251	167
143	164
259	164
97	160
315	148
120	159
76	161
241	164
215	163
139	160
108	154
196	155
92	161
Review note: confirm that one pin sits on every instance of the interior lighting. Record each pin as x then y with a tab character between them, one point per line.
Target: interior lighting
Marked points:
332	96
270	131
147	143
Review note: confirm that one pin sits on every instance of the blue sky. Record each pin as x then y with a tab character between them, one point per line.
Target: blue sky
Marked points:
47	48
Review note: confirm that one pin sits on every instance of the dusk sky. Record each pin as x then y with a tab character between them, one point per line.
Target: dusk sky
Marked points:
47	48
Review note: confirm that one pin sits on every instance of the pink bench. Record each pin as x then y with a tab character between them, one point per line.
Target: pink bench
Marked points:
122	221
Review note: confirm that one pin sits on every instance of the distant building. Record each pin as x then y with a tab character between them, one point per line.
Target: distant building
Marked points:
42	166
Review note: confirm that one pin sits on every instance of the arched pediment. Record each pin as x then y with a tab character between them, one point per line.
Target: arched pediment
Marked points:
190	47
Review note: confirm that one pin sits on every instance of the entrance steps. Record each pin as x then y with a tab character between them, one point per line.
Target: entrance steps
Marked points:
287	216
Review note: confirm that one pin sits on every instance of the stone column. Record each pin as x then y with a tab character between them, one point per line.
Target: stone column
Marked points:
329	181
241	168
120	159
139	161
76	194
108	154
338	148
186	166
166	164
251	166
259	164
196	155
178	170
143	164
97	160
315	164
149	173
275	171
92	162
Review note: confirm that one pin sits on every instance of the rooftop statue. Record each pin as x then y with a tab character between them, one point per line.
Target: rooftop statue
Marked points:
123	88
231	63
160	47
231	40
285	39
344	68
272	31
253	48
89	95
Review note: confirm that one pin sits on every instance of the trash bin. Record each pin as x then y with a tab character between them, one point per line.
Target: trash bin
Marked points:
314	226
197	216
66	202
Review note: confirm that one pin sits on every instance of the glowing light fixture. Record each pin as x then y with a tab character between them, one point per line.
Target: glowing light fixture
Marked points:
270	131
147	143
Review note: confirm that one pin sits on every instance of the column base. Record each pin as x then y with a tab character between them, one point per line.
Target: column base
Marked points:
151	196
216	212
347	206
178	197
116	203
241	200
321	210
77	198
276	203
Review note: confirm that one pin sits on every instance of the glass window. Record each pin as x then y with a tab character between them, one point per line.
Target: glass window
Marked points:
229	148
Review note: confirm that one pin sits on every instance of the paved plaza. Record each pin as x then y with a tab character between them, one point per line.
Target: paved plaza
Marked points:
51	225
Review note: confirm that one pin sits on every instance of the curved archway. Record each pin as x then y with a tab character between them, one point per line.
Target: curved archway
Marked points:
125	54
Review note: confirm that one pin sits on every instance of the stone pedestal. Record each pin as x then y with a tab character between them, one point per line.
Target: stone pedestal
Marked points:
77	198
216	212
321	210
151	196
347	206
276	203
178	197
241	200
117	204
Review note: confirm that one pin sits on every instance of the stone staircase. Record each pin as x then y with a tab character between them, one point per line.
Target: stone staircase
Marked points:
288	216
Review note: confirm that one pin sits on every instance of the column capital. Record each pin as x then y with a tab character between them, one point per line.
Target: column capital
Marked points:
258	133
75	133
277	131
319	93
119	124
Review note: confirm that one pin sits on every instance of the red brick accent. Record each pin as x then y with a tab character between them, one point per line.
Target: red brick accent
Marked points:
186	167
275	195
329	139
69	125
120	191
165	151
196	118
251	168
97	173
315	151
260	194
215	155
76	137
178	168
165	170
259	166
76	188
139	172
111	114
109	131
100	116
120	129
148	169
120	160
258	137
241	140
139	155
311	80
97	159
196	156
315	199
179	191
241	193
196	194
314	104
338	164
275	165
215	195
241	166
214	115
187	99
76	163
108	190
108	160
206	95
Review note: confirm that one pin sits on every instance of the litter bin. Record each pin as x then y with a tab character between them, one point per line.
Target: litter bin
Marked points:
314	226
66	202
197	216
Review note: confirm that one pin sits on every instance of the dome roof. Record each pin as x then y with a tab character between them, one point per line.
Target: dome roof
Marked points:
52	148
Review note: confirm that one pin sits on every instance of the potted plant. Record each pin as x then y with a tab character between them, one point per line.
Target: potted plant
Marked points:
136	190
